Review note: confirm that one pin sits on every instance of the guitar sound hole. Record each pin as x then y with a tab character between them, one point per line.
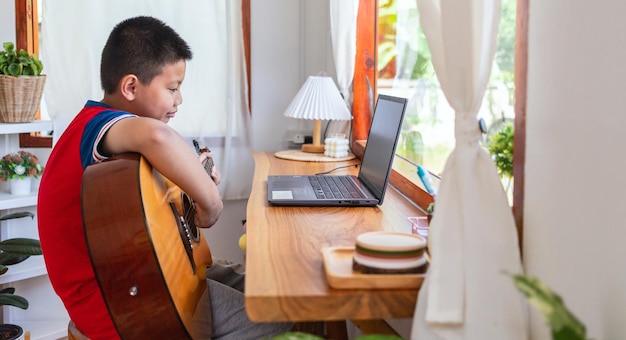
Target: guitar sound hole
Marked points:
190	215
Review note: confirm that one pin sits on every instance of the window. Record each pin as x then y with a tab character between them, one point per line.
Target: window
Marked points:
403	179
405	70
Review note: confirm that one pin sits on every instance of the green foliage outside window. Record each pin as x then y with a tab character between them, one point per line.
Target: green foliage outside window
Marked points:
405	69
500	146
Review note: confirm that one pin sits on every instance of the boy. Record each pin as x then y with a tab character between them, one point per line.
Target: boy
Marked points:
142	68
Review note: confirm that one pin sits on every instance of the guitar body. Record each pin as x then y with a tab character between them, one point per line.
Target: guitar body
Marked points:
150	264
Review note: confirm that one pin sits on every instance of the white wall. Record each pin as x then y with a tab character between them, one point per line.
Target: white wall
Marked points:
574	229
290	41
7	21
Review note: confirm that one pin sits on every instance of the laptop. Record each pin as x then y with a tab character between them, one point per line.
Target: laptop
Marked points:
366	189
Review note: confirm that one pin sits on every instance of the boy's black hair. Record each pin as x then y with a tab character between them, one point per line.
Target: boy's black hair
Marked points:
141	46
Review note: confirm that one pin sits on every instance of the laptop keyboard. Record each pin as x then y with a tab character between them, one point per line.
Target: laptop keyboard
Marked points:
334	187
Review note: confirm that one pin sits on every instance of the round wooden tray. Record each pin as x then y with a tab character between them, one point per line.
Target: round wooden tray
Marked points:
298	155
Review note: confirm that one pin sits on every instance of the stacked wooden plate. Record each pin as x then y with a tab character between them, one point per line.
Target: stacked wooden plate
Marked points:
385	252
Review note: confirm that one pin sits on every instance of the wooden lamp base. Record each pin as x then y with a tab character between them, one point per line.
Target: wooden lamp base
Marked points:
317	146
313	148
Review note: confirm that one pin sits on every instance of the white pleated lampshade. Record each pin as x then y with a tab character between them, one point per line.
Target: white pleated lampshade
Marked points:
318	99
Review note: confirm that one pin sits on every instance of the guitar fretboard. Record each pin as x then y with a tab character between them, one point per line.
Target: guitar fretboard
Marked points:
208	163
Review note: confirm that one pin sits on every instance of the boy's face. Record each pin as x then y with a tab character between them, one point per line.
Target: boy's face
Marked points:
160	98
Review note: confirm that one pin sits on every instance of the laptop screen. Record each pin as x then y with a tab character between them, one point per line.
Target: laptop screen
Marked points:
381	143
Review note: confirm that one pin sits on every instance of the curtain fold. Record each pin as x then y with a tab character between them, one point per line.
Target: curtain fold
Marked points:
467	293
214	110
343	15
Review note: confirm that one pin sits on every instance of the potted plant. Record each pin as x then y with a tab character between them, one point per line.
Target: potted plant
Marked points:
500	146
14	251
17	168
21	85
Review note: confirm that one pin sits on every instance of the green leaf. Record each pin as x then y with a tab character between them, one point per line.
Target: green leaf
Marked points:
15	70
8	290
8	259
17	215
296	336
38	65
562	322
13	300
21	246
9	47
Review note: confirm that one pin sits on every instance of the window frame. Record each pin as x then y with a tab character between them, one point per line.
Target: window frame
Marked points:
27	37
403	177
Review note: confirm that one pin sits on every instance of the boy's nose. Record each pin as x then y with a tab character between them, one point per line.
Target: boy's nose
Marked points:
179	99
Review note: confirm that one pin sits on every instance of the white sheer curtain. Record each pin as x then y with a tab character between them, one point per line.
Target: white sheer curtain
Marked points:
343	15
215	109
473	242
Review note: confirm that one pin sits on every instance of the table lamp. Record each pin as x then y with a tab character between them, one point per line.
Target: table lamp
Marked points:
318	99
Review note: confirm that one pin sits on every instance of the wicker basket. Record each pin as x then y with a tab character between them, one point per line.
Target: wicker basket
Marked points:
20	98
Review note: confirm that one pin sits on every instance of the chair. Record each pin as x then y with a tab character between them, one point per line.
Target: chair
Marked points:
74	333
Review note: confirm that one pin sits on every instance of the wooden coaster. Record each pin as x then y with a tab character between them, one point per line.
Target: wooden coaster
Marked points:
298	155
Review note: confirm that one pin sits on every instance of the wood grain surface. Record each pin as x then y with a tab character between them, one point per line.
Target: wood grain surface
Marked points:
285	278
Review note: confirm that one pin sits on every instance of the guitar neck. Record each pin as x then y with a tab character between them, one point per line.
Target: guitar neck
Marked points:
208	165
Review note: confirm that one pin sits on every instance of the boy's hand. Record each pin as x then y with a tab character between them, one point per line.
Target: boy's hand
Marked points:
215	174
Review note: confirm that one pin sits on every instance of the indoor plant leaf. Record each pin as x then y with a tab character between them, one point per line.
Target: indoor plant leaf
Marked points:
13	300
21	246
17	215
7	259
8	290
562	322
296	336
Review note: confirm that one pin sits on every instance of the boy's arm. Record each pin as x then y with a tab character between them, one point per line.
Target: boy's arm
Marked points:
170	154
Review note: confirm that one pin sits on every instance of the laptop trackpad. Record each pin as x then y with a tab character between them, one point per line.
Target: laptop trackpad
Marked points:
291	188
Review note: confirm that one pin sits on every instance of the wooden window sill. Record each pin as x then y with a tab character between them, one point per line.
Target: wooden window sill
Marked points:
403	177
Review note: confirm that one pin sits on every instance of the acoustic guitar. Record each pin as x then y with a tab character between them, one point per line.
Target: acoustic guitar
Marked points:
150	260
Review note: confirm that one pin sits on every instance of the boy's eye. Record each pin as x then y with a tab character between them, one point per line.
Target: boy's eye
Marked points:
174	89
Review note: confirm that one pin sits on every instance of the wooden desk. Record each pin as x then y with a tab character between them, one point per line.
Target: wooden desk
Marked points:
285	278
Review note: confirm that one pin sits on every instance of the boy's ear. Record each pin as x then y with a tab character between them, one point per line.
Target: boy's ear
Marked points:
128	86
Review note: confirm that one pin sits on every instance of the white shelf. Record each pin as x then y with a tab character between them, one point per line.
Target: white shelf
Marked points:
44	330
46	318
38	125
8	201
32	267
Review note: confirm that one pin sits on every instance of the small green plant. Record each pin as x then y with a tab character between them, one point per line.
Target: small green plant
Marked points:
430	211
18	63
20	164
14	251
431	208
564	325
500	147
